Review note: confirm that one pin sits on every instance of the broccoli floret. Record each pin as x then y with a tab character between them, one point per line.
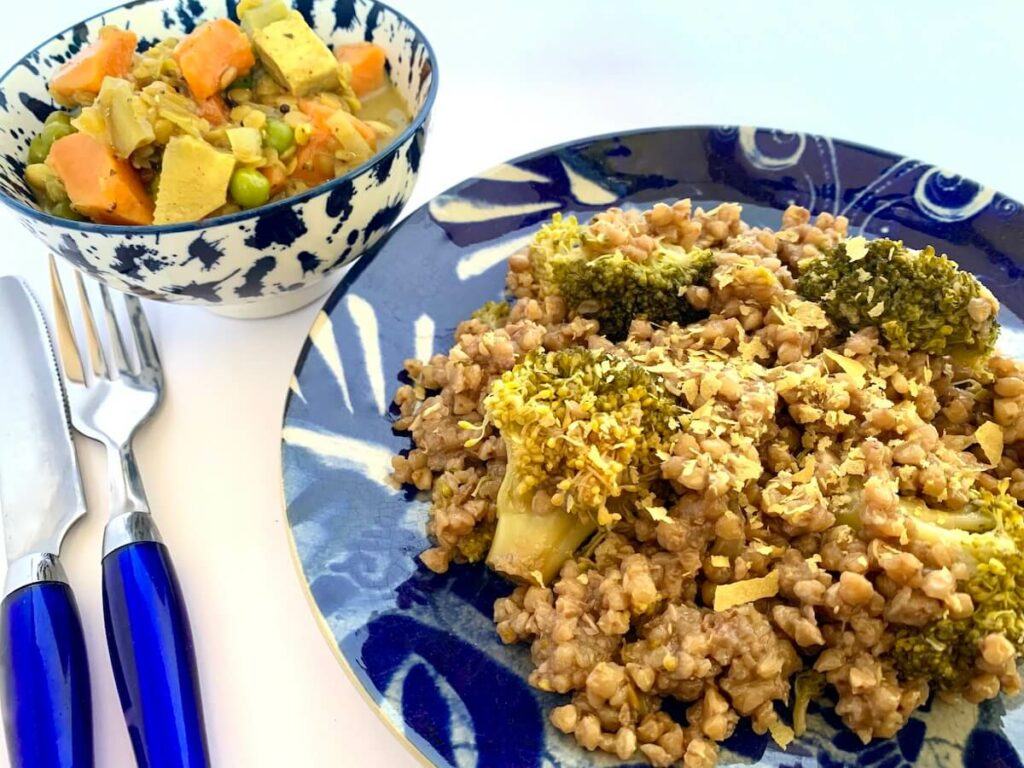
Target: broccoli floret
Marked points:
918	300
610	287
581	429
494	313
988	535
474	545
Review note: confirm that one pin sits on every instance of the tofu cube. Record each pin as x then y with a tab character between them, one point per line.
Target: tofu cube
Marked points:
296	57
194	180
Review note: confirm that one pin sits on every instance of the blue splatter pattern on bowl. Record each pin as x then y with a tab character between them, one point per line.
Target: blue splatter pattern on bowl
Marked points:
252	263
423	645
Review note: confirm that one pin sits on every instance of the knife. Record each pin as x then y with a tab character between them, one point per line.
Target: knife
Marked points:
45	686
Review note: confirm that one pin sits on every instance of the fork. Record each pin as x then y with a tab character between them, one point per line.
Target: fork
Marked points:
147	628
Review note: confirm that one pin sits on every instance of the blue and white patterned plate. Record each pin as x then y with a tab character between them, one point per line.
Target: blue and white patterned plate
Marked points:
423	645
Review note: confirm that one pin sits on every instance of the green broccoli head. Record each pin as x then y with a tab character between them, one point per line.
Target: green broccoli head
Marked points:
582	429
918	300
493	313
988	535
610	287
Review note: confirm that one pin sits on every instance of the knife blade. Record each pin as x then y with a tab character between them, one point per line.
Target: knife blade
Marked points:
43	664
40	486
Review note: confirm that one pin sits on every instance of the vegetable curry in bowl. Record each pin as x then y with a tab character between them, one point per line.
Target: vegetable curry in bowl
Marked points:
229	117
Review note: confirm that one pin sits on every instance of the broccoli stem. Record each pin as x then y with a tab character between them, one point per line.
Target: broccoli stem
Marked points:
528	543
969	519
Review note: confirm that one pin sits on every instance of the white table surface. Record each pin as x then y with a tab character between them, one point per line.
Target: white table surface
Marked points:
937	80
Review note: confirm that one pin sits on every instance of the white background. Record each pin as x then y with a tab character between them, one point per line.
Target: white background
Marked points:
941	81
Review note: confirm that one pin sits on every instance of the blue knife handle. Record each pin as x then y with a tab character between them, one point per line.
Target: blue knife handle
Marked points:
47	705
153	657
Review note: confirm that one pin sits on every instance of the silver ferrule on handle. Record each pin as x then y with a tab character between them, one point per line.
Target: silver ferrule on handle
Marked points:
33	568
129	528
130	521
125	482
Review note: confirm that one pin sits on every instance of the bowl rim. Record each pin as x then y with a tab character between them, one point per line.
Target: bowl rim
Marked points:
194	226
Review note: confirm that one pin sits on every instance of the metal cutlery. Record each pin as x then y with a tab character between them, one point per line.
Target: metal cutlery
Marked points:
47	707
148	635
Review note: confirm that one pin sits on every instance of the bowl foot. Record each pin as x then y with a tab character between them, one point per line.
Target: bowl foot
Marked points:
282	304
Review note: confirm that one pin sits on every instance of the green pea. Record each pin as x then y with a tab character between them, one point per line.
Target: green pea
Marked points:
64	210
38	149
54	131
59	116
280	136
249	188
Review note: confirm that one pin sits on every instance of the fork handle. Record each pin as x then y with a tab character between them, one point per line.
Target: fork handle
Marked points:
153	656
47	706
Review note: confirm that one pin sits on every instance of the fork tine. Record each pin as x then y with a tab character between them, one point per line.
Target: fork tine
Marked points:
114	330
149	358
92	338
67	348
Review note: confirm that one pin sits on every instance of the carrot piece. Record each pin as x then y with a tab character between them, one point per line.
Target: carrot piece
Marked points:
315	159
367	62
206	55
109	55
276	176
100	185
214	110
318	112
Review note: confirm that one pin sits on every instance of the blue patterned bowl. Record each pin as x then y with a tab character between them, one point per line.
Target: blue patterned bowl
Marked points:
422	645
254	263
